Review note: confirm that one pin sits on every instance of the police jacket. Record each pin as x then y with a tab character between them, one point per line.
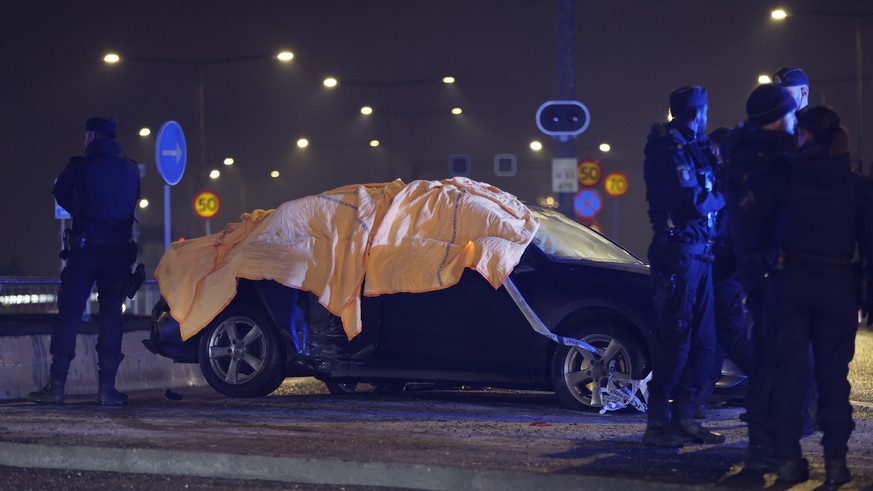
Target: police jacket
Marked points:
679	185
758	164
826	210
100	190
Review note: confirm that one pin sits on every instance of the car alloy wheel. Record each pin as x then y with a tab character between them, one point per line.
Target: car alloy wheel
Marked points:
240	353
577	374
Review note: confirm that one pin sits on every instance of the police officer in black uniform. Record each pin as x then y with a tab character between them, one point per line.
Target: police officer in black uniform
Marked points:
758	157
683	205
732	319
100	190
810	294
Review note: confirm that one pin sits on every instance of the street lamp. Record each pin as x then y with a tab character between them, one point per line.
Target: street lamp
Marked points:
764	79
780	15
145	132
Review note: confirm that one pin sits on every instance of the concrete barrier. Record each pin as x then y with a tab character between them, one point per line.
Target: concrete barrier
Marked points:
25	359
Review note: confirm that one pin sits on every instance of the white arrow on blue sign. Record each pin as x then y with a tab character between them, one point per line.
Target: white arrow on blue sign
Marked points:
170	152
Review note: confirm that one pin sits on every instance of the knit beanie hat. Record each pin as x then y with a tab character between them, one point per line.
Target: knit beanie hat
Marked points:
769	103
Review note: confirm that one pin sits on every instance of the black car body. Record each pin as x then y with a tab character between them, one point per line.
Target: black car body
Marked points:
579	284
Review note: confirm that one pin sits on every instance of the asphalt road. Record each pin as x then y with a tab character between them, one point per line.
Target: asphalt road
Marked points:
303	438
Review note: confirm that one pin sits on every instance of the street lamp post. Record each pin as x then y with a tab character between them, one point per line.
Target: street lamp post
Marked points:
199	65
781	14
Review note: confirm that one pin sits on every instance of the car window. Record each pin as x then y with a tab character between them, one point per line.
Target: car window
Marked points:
560	237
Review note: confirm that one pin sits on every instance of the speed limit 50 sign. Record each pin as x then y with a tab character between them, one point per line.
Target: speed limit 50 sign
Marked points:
589	173
206	204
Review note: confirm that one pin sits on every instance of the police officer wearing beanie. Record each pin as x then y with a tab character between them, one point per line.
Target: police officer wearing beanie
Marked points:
732	320
758	157
683	205
810	294
100	191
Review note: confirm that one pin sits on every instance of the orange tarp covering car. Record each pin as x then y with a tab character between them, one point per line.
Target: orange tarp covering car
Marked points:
401	238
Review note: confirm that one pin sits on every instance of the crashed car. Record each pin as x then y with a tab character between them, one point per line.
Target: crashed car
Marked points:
573	315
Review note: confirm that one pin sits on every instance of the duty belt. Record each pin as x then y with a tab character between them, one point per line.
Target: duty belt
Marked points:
700	249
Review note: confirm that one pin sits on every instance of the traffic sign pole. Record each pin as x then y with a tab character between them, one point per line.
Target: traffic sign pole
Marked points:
170	156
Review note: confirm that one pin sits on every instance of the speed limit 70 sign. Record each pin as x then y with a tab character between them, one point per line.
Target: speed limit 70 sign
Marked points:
615	184
206	204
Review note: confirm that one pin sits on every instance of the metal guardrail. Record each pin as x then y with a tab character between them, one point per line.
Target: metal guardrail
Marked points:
34	295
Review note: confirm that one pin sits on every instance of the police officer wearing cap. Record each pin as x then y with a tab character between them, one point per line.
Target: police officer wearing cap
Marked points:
100	190
810	294
795	81
683	205
758	157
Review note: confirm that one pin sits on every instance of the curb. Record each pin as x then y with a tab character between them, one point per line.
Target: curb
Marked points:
308	471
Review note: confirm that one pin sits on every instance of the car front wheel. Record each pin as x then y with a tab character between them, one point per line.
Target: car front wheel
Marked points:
241	354
577	373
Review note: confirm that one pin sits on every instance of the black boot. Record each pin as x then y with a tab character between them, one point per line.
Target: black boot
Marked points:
108	396
792	471
52	393
694	432
659	434
836	471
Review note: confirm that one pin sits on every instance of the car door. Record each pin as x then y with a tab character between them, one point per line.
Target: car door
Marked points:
467	327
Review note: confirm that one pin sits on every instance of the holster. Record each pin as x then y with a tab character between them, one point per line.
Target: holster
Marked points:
131	285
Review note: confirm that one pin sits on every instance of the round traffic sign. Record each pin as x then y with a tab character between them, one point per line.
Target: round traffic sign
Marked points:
589	172
206	204
171	152
587	203
615	184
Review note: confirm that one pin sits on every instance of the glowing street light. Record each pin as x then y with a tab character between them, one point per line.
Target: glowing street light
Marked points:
366	110
145	132
274	174
330	82
605	147
143	203
764	79
285	56
456	111
448	80
302	143
374	143
111	58
778	14
214	174
228	161
536	146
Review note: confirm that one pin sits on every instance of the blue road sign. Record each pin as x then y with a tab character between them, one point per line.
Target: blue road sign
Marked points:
587	203
170	152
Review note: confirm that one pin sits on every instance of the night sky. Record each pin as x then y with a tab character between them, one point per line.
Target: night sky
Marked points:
629	55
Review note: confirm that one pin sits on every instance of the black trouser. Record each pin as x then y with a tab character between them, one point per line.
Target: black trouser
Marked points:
686	334
732	330
803	307
108	268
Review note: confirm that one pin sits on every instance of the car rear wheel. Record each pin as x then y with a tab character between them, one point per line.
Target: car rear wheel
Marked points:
343	388
577	373
241	354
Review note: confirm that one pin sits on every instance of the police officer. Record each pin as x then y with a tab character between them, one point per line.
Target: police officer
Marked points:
732	320
758	157
682	209
810	294
100	190
795	81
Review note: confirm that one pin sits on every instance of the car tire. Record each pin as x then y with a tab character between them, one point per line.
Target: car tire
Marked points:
346	388
573	372
241	353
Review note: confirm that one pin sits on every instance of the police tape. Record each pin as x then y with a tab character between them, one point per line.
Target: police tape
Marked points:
618	392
